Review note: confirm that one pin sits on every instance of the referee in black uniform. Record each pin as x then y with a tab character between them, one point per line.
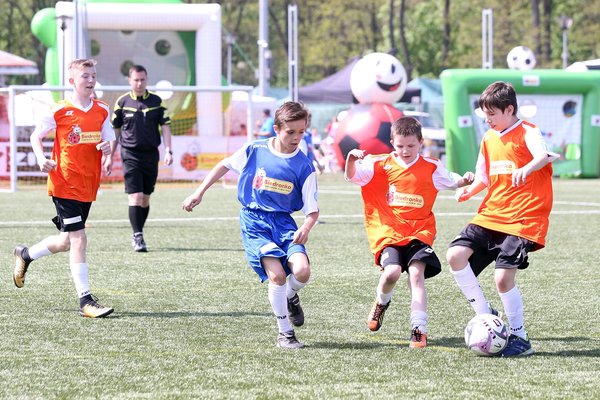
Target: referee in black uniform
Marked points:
138	119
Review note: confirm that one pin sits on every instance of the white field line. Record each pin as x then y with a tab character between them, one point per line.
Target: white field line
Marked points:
322	217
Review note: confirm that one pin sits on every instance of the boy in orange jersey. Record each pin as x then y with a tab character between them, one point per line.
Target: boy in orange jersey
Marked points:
512	219
399	190
83	136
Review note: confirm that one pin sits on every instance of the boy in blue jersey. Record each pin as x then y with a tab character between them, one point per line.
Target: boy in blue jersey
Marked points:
276	179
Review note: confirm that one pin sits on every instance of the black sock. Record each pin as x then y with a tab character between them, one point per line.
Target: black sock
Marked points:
145	212
25	255
136	218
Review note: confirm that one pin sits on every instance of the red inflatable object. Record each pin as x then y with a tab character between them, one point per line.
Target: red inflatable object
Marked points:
366	127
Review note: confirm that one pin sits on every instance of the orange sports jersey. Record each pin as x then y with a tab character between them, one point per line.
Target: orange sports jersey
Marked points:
520	211
78	162
398	203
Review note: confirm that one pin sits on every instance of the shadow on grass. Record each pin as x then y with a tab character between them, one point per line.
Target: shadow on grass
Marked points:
194	249
187	314
352	345
458	342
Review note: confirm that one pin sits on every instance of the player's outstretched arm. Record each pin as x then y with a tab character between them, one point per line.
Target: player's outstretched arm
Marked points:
465	193
214	175
353	155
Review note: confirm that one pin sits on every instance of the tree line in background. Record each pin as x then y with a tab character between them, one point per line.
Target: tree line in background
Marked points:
428	36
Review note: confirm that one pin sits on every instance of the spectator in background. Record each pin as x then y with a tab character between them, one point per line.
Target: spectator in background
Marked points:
266	129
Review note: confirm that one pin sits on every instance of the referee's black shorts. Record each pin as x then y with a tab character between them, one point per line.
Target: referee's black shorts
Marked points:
140	170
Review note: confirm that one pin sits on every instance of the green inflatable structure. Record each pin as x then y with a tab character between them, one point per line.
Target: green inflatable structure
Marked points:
564	104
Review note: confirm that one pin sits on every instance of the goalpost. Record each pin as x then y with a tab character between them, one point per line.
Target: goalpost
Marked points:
565	106
194	154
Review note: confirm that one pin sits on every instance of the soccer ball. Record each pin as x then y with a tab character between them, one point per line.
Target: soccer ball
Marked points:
367	127
486	335
521	58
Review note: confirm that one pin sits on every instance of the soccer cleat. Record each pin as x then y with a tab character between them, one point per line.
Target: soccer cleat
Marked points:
418	339
287	340
21	264
92	309
495	312
376	316
138	243
295	311
517	347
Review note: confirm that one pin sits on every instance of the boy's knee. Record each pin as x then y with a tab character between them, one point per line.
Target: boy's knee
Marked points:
457	258
303	274
392	273
278	279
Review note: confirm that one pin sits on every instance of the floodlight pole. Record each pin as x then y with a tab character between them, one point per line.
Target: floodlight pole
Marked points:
565	23
487	38
293	51
263	46
230	40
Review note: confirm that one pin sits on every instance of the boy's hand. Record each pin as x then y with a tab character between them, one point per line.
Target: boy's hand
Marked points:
519	176
356	153
104	147
300	236
191	201
468	177
462	194
46	165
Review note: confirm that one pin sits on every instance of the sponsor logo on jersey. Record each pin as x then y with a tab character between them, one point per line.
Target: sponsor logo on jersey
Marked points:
263	182
395	199
502	167
77	136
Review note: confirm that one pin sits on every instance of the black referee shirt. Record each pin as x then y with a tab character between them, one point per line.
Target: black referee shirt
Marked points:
139	119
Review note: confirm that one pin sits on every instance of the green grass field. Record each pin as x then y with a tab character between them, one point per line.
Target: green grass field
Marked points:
192	320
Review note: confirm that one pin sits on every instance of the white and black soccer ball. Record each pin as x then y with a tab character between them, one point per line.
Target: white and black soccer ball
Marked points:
486	335
521	58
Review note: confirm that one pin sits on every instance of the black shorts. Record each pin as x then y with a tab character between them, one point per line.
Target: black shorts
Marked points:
414	251
508	251
70	214
140	170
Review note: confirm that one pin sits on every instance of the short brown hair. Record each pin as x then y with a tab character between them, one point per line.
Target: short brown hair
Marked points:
499	95
137	68
406	126
290	111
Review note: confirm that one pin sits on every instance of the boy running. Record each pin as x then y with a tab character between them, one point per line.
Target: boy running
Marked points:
398	191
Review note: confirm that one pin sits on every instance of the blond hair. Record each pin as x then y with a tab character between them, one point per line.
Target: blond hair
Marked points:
81	63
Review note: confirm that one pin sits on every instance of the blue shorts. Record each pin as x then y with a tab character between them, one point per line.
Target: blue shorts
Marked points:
268	234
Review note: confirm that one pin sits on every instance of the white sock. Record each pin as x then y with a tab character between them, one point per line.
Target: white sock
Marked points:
278	300
418	319
513	307
468	284
79	272
293	286
38	250
384	298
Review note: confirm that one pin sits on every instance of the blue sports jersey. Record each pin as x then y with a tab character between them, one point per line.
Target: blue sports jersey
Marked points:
272	181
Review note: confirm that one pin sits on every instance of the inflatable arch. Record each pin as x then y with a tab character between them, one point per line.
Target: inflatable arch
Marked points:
203	20
565	105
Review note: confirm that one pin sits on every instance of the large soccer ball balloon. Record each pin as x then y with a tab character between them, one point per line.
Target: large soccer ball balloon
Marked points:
378	78
366	127
521	58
